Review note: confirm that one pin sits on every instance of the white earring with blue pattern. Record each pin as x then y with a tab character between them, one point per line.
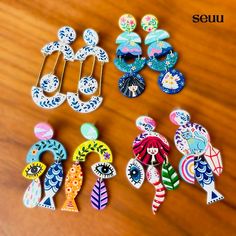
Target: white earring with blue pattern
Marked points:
170	80
50	83
88	85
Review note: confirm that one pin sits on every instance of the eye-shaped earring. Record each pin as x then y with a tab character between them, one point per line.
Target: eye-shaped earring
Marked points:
35	169
50	83
200	158
103	170
151	149
131	84
88	85
171	81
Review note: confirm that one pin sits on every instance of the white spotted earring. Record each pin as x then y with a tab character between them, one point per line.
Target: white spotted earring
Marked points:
88	85
50	83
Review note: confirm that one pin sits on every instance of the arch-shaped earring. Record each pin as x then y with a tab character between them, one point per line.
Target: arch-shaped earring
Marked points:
150	150
50	83
102	169
88	85
170	80
35	168
131	84
200	158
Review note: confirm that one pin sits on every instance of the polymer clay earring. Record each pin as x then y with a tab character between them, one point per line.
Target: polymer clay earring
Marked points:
50	83
131	84
35	169
151	150
200	158
102	169
88	85
170	80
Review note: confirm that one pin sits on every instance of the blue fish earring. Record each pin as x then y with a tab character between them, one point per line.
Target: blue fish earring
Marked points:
50	83
170	80
36	168
200	158
131	84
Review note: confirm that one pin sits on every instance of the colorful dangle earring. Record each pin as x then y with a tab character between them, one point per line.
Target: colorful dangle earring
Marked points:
200	158
88	85
151	149
35	168
170	80
50	83
102	169
131	84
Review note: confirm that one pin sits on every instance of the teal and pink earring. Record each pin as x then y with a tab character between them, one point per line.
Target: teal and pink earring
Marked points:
170	80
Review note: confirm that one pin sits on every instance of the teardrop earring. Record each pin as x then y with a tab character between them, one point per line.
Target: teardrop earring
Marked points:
131	84
170	80
88	85
50	83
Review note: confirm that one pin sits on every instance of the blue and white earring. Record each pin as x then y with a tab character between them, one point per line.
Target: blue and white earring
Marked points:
50	83
170	80
131	84
88	85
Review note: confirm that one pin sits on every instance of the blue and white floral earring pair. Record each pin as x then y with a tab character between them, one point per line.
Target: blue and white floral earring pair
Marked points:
88	85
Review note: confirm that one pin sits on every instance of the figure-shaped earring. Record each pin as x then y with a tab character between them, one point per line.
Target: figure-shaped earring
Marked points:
200	158
131	84
50	83
151	149
103	170
35	168
170	80
88	85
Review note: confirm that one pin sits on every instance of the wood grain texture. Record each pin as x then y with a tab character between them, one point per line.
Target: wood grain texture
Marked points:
207	59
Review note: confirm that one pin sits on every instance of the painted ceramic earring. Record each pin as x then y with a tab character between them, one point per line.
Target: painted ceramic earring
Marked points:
200	158
50	83
131	84
35	169
170	80
102	169
151	149
88	85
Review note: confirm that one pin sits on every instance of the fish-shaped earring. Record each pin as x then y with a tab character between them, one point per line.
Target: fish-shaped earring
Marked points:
50	83
200	158
151	150
35	168
102	169
88	85
131	84
170	80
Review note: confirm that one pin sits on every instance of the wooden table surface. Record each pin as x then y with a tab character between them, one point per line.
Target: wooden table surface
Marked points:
207	59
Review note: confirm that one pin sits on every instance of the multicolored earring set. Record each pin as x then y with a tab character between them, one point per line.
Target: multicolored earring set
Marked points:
132	84
150	149
87	85
74	178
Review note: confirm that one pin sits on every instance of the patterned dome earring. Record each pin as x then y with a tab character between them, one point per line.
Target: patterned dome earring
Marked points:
200	158
170	80
102	169
151	149
131	84
50	83
88	85
35	168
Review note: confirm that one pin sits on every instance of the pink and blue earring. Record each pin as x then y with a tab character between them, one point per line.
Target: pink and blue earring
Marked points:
50	83
170	80
89	85
102	169
35	169
200	158
131	84
151	150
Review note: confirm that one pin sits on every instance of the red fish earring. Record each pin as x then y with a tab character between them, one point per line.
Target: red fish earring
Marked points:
151	150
